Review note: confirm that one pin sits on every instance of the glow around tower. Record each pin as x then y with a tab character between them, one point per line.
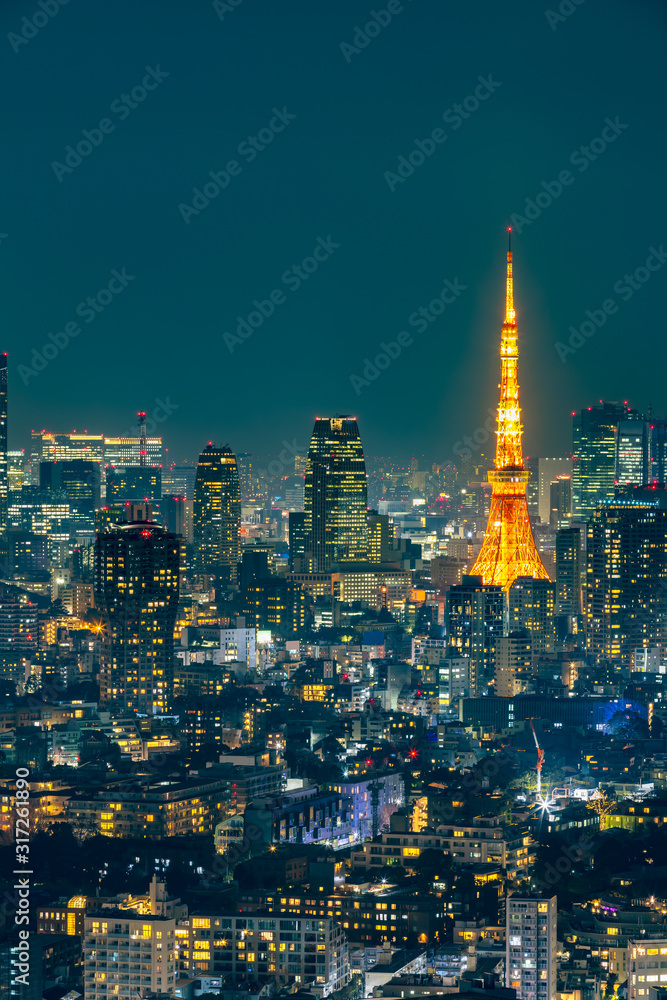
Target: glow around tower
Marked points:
509	549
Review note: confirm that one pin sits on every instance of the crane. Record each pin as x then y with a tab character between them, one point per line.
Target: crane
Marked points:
540	762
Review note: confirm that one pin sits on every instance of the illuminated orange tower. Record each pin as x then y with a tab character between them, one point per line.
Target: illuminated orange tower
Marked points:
509	550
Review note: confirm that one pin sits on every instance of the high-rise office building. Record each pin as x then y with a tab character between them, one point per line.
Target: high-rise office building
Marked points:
47	446
380	537
453	680
568	571
549	469
15	470
594	448
632	455
657	436
509	549
277	604
514	663
134	482
136	592
78	480
532	465
217	514
244	463
531	606
4	468
179	480
124	451
335	494
474	623
298	540
531	946
174	514
560	501
626	577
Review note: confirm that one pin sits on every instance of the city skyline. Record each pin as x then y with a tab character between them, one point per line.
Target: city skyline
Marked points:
333	501
183	284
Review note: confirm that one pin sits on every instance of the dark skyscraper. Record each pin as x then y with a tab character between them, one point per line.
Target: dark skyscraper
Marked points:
568	571
297	541
626	575
594	448
79	481
135	482
136	591
335	495
474	623
4	480
217	514
657	432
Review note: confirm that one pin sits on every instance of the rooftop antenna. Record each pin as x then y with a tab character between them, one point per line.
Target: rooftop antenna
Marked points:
142	439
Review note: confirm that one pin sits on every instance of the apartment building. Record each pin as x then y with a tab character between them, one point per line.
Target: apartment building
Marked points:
531	947
128	951
155	810
251	947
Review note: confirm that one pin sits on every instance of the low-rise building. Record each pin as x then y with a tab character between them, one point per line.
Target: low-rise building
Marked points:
287	949
157	809
303	816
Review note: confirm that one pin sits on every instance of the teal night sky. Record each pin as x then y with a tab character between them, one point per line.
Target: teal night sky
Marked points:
221	210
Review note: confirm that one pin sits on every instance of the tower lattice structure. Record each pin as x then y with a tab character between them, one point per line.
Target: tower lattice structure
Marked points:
509	549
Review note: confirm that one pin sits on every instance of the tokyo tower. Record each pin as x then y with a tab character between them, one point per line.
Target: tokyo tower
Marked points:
509	550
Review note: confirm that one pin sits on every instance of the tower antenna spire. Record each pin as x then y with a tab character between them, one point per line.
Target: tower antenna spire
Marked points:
510	315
